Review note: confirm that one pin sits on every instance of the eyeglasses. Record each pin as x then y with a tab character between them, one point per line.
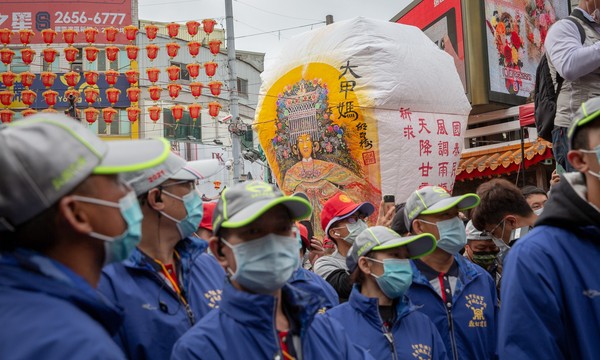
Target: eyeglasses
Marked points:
352	219
491	232
191	184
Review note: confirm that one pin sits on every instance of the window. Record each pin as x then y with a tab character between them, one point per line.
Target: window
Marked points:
182	130
18	66
183	73
242	86
46	66
248	138
120	126
104	64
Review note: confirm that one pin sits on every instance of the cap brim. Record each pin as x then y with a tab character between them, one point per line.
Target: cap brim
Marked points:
299	209
464	202
132	155
417	245
366	207
198	169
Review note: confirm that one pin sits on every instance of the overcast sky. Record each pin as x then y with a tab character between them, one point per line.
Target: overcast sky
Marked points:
272	19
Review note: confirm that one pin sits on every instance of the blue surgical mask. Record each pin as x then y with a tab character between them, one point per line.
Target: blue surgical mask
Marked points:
265	264
453	236
119	248
354	229
193	206
396	277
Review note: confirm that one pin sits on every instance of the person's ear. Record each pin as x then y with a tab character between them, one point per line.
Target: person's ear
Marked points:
469	251
512	221
333	234
577	159
154	199
417	227
364	265
216	248
74	215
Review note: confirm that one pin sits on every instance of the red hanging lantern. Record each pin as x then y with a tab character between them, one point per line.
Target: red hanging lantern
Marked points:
130	32
27	55
5	35
194	110
112	94
72	78
132	51
111	33
91	94
50	96
69	36
28	97
214	46
27	78
91	53
91	77
90	34
6	97
194	48
177	112
132	76
193	69
111	53
154	92
192	27
174	90
111	77
71	53
151	31
8	78
152	51
48	35
211	68
154	112
25	36
173	29
213	108
28	112
173	72
72	92
133	113
215	87
133	93
91	115
172	49
208	25
108	114
6	55
196	89
48	78
153	74
6	115
49	55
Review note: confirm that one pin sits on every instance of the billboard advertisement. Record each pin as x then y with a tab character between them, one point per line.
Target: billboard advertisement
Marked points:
442	22
38	15
515	33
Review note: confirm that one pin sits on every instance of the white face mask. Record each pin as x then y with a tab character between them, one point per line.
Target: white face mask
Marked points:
538	212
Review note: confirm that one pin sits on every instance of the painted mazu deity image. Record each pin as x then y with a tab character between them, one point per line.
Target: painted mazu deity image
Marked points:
312	151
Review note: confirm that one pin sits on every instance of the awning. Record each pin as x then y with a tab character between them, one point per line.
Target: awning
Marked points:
501	160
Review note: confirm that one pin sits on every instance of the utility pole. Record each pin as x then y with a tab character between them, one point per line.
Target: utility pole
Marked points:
233	94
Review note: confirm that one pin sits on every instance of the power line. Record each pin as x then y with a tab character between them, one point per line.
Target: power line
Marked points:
273	13
285	29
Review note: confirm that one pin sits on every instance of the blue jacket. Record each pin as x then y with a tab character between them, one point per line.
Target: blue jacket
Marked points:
551	300
314	284
243	327
469	327
412	333
49	312
155	317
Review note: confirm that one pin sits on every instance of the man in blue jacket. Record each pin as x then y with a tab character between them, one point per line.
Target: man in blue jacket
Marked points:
169	282
551	300
457	295
64	212
260	316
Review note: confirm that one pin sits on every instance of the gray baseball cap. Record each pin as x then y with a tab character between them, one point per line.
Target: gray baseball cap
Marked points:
588	112
175	168
45	156
434	200
474	234
382	238
243	203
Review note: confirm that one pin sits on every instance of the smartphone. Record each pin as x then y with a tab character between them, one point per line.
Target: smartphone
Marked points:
389	201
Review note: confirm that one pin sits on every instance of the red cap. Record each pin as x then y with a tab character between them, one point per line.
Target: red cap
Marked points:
208	208
304	235
339	207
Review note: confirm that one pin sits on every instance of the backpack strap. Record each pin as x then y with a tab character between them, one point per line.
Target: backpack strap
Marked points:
577	14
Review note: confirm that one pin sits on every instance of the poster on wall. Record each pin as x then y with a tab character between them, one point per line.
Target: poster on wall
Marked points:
515	34
59	15
441	21
381	113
